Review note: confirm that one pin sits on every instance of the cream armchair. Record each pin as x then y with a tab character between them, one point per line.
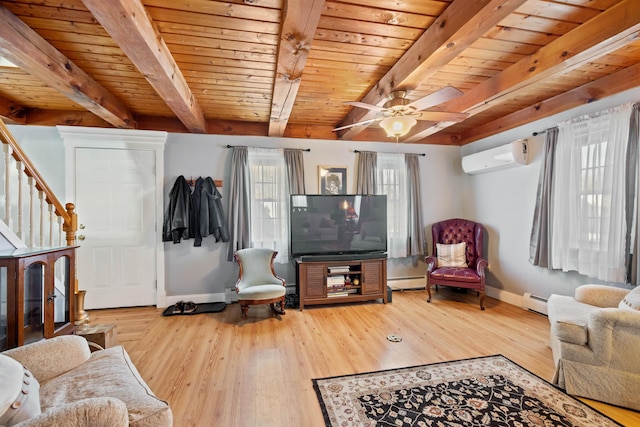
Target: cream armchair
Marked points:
257	280
80	388
595	340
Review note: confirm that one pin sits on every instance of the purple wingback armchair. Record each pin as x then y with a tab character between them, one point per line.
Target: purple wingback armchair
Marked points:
472	277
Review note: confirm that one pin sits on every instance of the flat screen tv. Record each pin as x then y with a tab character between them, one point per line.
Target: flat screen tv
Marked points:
324	224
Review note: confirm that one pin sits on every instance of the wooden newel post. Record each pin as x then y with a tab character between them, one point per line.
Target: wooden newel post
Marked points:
72	226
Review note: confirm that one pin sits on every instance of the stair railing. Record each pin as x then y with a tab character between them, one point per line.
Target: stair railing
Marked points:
53	217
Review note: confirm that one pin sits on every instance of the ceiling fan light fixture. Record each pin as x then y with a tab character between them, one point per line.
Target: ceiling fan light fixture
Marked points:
397	126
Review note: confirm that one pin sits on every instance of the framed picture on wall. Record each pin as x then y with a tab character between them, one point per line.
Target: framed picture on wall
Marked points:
332	179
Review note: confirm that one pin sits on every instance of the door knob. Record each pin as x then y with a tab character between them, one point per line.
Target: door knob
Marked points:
81	226
81	237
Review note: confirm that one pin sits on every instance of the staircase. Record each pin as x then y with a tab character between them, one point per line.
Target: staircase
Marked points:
31	215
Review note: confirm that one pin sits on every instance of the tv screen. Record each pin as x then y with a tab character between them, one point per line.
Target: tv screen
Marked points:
324	224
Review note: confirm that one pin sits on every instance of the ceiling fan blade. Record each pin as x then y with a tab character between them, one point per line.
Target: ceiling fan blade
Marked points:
356	124
445	94
441	116
364	105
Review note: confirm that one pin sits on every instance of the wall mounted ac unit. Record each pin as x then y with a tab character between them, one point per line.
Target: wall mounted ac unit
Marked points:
508	155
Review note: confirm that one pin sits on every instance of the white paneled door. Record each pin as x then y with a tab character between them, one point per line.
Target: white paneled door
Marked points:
115	196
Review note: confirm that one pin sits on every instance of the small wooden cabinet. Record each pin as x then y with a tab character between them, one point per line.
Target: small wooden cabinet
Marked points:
37	294
329	282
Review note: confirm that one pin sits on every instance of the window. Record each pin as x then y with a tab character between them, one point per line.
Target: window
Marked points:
588	221
594	199
392	181
269	223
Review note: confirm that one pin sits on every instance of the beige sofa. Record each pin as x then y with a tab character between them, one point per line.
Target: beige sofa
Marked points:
595	340
79	388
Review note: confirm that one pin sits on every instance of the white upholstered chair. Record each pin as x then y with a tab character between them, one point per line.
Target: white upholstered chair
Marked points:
257	281
595	340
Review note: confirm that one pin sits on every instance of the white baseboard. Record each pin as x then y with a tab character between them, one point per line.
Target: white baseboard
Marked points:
394	284
197	298
228	297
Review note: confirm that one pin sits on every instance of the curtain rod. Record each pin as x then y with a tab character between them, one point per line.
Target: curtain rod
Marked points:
539	133
301	149
417	154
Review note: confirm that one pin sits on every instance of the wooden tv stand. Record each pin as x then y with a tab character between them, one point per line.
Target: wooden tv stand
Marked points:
322	282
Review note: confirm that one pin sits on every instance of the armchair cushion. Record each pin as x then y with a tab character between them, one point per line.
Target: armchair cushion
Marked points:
262	292
570	319
600	295
631	301
108	373
94	412
19	394
453	255
458	274
47	359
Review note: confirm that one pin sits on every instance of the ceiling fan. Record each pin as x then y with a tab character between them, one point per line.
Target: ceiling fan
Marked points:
399	114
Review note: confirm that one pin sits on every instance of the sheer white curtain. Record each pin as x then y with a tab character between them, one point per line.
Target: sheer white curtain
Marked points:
391	180
588	216
269	223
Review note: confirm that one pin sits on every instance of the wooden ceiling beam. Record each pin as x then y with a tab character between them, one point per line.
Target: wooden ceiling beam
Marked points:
34	55
128	23
41	117
299	25
10	112
599	89
461	24
603	34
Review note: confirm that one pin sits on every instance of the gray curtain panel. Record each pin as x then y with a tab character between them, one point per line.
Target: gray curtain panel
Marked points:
239	205
295	170
366	172
416	243
632	244
539	250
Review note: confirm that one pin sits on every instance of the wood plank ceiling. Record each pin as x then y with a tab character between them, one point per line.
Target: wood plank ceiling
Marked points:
286	67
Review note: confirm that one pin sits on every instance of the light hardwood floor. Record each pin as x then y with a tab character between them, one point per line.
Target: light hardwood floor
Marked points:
216	369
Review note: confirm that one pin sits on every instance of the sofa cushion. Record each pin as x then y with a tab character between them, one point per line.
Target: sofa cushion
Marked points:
19	393
631	301
452	255
569	318
108	373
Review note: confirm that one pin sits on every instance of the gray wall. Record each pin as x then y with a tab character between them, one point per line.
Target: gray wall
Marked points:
44	146
502	200
204	270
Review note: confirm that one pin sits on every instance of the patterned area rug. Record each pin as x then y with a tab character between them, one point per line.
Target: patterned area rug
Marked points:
486	391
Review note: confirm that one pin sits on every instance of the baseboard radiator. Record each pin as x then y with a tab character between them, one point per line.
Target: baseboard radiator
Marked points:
534	303
402	283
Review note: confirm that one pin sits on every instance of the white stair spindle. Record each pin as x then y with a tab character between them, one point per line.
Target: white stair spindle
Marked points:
20	227
7	184
32	188
41	198
61	242
52	219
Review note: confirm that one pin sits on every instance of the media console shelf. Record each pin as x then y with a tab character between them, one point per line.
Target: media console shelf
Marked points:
340	281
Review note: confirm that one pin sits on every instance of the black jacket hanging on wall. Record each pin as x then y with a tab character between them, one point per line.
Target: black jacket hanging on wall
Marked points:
212	218
195	214
177	216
